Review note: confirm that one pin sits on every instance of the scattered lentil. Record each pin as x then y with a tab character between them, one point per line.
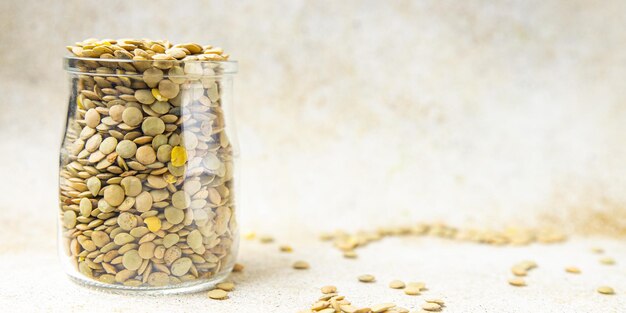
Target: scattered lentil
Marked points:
435	300
517	282
217	294
238	267
266	239
522	268
431	306
418	285
350	254
381	307
300	265
606	290
367	278
412	290
226	286
396	284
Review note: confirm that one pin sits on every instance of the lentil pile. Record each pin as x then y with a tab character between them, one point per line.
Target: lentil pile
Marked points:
146	172
349	242
332	302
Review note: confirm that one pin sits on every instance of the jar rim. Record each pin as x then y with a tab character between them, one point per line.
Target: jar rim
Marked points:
70	65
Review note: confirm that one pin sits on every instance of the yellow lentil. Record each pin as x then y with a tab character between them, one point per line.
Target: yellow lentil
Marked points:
179	156
153	223
157	95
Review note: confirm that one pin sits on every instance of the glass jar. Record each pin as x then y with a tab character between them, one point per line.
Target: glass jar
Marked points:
147	173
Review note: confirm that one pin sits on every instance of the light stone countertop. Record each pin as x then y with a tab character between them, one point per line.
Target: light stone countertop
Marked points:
469	277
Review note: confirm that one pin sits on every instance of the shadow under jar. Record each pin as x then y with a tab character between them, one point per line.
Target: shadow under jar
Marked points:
147	174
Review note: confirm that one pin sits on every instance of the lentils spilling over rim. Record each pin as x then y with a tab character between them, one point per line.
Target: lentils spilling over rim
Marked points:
145	50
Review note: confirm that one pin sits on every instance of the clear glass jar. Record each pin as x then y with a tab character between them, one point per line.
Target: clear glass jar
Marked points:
147	173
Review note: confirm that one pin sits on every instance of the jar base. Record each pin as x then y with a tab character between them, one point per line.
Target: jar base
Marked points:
188	287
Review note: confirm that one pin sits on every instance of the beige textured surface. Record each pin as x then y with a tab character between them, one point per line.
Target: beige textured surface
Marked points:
470	278
472	112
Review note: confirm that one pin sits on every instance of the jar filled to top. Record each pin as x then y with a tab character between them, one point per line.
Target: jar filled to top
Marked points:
147	166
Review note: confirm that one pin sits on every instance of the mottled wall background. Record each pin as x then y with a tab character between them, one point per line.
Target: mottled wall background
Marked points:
355	113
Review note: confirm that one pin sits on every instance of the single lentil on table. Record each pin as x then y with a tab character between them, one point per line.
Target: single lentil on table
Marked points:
146	180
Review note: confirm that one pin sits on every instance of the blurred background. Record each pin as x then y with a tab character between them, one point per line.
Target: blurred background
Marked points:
357	114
